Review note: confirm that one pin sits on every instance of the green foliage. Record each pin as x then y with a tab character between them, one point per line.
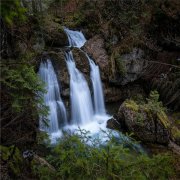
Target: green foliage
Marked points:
12	9
153	103
23	85
43	138
74	20
153	107
132	105
74	158
12	156
43	172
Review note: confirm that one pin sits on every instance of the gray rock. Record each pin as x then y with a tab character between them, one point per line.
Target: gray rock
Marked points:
134	64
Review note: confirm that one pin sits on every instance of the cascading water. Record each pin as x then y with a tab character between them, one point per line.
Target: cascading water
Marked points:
57	113
82	114
76	38
98	97
81	103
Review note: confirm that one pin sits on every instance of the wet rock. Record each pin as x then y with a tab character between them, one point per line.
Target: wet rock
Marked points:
59	63
113	123
81	60
96	49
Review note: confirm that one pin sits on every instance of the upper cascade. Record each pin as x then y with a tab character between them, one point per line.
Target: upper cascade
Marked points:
57	113
75	38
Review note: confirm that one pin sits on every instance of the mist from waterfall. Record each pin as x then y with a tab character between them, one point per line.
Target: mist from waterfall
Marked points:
57	116
81	102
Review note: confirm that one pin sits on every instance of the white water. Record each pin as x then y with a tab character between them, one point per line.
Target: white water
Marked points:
57	113
76	38
98	97
82	114
81	103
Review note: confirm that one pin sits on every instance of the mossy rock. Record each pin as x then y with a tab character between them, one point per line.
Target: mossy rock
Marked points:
132	105
175	133
163	118
173	129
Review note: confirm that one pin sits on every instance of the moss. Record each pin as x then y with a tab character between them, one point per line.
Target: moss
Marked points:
176	117
140	118
164	119
132	105
121	67
175	132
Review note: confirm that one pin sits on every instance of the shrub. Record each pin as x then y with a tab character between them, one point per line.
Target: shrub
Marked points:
73	158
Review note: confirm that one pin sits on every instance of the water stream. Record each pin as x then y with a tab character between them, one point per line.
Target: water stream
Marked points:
87	109
57	113
81	102
98	96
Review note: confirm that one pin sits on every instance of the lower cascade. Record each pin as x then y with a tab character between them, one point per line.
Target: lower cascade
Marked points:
98	97
57	112
81	102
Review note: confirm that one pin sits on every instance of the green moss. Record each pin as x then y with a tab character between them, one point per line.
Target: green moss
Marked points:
121	67
162	117
132	105
175	132
140	118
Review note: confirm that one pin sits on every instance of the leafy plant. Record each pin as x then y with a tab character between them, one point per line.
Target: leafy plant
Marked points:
12	9
73	158
13	158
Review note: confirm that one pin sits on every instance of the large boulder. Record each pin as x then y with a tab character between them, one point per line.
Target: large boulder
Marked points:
146	127
95	47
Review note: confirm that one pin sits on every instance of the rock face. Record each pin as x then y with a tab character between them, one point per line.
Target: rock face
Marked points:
134	64
128	67
81	60
95	48
120	93
147	130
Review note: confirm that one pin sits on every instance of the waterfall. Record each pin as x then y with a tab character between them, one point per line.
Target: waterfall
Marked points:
57	113
98	97
75	38
81	103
